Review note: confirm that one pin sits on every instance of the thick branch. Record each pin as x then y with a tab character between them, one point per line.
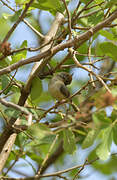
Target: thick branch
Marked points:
78	41
6	135
15	106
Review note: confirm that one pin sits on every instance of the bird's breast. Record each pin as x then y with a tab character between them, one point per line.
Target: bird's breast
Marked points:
54	90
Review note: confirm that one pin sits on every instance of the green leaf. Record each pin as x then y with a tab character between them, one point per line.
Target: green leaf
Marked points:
5	80
21	55
115	134
49	5
108	35
113	115
99	1
83	50
49	138
34	112
85	1
36	90
43	137
6	15
103	150
18	2
16	15
100	118
89	140
109	49
24	44
12	156
95	18
21	140
107	168
69	141
39	131
4	27
35	157
10	112
111	3
5	63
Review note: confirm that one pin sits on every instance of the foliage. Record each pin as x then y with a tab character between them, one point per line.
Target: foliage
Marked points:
49	135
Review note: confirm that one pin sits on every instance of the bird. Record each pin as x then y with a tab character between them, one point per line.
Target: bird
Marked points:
57	87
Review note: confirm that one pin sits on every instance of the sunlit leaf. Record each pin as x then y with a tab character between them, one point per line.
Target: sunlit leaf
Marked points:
108	35
103	151
69	141
98	1
6	15
16	15
95	18
49	5
21	55
4	27
110	3
39	131
18	2
100	118
109	49
5	83
89	140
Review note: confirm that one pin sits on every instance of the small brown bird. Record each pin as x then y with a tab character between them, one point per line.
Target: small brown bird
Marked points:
58	87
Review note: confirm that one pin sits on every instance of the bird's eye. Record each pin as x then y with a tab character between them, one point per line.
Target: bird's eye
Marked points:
67	81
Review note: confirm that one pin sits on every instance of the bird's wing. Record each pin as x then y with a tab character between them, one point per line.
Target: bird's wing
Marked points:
64	91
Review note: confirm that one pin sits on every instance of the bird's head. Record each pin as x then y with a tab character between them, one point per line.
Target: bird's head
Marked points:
65	77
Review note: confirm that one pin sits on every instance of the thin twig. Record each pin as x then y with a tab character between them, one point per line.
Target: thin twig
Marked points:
26	22
18	21
15	106
13	163
111	26
83	166
88	70
30	49
77	42
56	173
89	58
89	14
69	19
81	28
2	91
62	177
75	11
4	117
65	101
78	14
107	12
95	5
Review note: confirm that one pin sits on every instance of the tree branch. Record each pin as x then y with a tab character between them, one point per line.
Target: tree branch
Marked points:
15	106
18	21
26	22
6	135
77	42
